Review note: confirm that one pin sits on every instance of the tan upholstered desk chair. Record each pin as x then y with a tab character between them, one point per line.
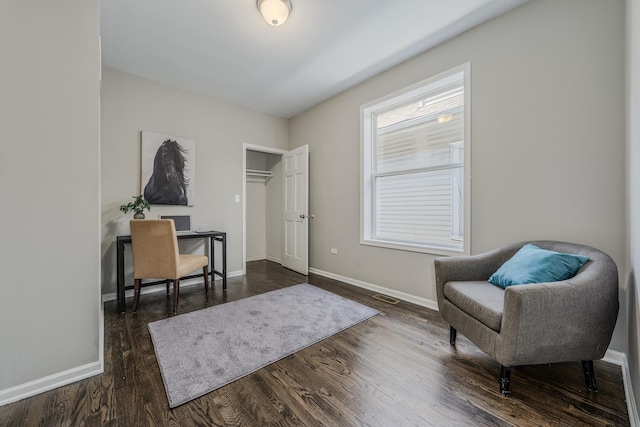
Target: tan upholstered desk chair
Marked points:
156	256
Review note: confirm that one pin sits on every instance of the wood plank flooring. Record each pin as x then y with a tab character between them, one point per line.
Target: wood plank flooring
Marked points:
395	369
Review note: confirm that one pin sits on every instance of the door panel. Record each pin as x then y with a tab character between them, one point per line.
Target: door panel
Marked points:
296	208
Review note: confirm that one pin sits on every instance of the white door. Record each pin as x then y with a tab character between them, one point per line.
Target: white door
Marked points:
296	210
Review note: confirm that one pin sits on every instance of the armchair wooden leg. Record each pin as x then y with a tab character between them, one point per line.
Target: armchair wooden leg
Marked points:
452	335
176	295
205	270
505	379
136	293
589	375
168	283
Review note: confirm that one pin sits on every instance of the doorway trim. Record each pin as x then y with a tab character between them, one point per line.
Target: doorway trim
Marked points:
261	149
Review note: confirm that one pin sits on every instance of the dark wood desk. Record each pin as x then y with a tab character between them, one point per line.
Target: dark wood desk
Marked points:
213	236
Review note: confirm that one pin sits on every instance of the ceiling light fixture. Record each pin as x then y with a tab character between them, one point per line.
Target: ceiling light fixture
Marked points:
275	12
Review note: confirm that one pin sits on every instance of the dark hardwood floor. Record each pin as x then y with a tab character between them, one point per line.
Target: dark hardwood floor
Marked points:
394	369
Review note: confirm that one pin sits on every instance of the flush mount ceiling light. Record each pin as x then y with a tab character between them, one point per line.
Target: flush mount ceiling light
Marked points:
275	12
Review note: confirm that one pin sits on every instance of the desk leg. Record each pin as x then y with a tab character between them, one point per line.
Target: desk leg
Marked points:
212	262
120	278
222	239
224	262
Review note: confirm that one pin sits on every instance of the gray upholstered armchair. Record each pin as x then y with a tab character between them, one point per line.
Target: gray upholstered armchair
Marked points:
531	324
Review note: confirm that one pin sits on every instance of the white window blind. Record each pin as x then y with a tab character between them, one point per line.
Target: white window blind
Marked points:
414	167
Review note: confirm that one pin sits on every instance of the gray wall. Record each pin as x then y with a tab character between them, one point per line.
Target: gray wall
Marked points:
547	142
131	104
274	209
633	191
256	238
255	198
50	318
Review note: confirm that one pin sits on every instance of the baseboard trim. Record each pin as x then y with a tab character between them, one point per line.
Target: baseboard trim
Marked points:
620	359
614	357
423	302
32	388
162	288
265	257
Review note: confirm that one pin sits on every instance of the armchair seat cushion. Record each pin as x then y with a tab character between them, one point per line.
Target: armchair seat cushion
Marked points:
479	299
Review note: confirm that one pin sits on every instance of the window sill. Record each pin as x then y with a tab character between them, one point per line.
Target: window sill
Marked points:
433	250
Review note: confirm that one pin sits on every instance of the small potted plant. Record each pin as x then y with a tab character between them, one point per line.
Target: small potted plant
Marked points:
138	205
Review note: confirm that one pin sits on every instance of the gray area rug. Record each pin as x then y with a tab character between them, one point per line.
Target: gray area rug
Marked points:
201	351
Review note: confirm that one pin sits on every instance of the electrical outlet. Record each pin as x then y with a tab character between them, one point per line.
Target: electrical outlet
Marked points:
237	198
334	251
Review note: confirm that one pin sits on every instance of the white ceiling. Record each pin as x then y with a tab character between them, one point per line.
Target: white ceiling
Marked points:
225	50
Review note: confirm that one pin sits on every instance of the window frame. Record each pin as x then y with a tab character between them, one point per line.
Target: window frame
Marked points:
367	159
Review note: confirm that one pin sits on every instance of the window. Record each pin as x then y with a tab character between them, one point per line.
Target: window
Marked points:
415	167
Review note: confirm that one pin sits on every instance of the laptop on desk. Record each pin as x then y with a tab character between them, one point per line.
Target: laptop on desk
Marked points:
182	223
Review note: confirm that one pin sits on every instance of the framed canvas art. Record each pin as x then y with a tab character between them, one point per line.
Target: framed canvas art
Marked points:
168	169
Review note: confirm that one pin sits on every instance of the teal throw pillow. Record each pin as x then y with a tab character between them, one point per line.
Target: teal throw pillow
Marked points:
532	264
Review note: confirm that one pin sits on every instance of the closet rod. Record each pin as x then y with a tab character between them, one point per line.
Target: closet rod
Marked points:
255	172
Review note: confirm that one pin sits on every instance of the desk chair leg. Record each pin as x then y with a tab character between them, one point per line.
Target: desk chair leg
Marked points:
176	294
168	282
205	270
136	293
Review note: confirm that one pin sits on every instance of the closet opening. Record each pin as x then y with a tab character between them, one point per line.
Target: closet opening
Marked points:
263	204
276	206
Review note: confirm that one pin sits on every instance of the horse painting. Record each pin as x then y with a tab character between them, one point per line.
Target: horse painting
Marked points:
167	184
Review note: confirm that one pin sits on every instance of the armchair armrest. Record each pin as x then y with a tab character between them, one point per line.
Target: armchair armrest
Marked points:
470	268
560	321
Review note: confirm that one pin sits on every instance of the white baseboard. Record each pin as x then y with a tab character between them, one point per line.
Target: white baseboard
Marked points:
634	420
614	357
162	288
231	274
620	359
433	305
267	257
31	388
